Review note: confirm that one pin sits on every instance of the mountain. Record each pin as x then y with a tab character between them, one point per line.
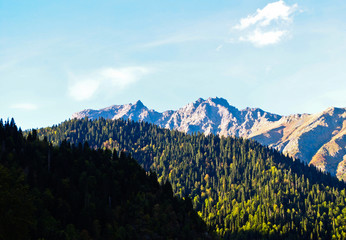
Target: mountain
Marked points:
318	139
242	189
213	115
73	192
135	112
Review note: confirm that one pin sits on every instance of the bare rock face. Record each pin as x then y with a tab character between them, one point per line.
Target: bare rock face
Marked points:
331	156
135	112
318	139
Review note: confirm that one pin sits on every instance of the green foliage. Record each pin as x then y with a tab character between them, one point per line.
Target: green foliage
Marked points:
241	189
74	192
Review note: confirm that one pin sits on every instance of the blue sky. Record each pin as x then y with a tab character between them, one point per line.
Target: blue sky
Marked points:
60	57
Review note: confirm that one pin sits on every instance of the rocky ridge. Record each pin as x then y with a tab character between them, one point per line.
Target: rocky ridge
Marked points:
319	139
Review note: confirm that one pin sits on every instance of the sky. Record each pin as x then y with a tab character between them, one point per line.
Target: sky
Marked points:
60	57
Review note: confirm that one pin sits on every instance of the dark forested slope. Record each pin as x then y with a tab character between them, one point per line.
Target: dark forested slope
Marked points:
74	192
241	189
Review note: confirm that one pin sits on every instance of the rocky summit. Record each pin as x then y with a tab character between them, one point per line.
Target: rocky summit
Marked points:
318	139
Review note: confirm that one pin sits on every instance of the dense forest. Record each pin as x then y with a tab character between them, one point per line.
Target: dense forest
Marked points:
241	189
74	192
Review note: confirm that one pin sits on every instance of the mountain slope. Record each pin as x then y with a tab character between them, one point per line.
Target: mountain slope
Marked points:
318	139
304	136
241	189
213	115
74	192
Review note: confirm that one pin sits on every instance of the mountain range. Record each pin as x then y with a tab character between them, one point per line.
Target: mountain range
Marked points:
318	139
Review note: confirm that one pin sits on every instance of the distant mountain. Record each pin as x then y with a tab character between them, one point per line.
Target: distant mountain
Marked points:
319	139
135	112
213	115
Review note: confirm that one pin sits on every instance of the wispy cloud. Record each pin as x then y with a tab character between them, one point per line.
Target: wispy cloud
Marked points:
84	87
219	47
25	106
268	25
172	40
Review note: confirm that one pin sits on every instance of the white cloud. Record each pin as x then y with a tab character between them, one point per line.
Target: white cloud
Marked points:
124	76
25	106
104	80
259	38
84	89
268	25
273	11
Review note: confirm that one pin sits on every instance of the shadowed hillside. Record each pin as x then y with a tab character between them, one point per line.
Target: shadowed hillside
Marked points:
74	192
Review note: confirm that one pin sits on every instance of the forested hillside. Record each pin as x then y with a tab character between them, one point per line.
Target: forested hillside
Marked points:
317	139
74	192
240	188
